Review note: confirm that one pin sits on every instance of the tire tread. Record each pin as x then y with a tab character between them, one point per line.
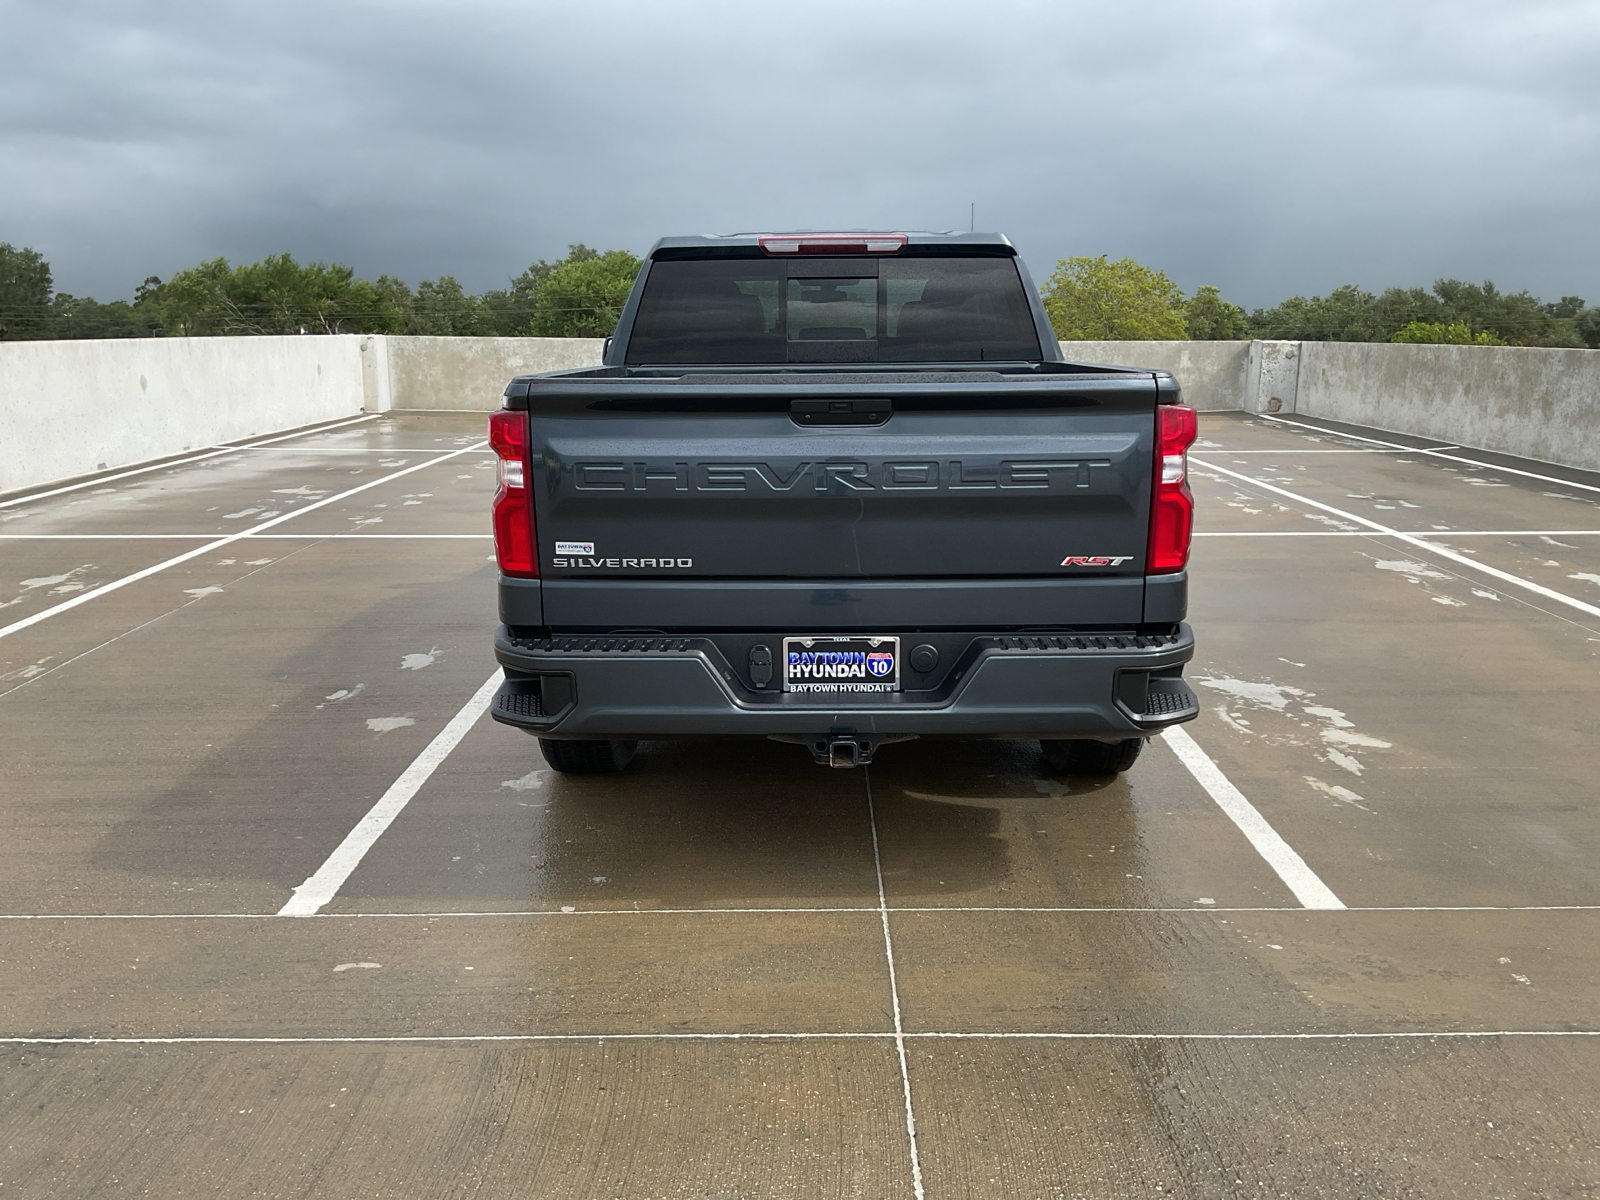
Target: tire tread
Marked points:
573	756
1086	757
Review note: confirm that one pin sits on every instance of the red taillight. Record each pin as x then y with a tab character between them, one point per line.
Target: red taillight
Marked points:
832	243
513	503
1172	503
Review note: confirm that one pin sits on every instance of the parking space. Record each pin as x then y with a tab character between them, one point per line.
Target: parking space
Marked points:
730	972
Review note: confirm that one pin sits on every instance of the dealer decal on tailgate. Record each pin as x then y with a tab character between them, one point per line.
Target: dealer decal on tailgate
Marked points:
841	664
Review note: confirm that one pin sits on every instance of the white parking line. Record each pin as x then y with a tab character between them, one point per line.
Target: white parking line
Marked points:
1358	450
1437	452
33	680
1280	856
97	480
1351	1035
321	887
1411	539
262	449
1421	533
451	1039
783	911
197	537
93	593
894	997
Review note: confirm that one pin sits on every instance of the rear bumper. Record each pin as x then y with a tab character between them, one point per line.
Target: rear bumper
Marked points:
1107	686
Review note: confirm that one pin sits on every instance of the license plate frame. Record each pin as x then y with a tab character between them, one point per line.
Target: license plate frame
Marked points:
805	677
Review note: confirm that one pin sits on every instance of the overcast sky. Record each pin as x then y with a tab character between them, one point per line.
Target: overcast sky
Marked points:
1268	148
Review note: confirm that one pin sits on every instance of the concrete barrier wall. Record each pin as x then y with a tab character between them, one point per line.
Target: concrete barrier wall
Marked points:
1212	375
74	407
1539	404
465	373
1533	403
470	373
70	408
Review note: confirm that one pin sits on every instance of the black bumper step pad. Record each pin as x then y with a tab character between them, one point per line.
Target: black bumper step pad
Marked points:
1169	698
519	703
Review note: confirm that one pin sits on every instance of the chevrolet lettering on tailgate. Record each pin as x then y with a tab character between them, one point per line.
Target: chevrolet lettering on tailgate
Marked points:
919	475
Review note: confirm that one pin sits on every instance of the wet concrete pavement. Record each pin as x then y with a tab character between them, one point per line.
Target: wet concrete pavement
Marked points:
730	973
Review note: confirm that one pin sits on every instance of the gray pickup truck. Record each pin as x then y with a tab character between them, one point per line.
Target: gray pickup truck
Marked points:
842	490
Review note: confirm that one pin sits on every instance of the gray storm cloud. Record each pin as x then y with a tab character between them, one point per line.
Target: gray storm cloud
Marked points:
1269	148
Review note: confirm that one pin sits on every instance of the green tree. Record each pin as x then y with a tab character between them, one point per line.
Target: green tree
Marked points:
190	304
1438	333
1090	299
274	296
583	297
397	297
1346	314
442	308
1398	307
504	311
1210	318
25	286
84	317
1520	319
442	303
1587	324
438	308
509	310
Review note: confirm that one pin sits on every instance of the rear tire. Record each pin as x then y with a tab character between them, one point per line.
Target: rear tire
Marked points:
1085	757
573	757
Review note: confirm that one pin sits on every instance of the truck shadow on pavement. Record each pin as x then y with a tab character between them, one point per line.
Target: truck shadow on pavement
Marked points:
737	821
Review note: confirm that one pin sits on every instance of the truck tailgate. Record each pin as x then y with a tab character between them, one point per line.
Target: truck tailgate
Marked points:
1027	496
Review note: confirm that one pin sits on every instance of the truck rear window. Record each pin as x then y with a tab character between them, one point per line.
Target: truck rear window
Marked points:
914	309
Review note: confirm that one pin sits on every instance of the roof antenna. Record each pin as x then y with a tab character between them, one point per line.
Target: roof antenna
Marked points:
972	216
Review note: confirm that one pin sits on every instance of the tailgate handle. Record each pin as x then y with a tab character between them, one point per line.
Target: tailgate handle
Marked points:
840	412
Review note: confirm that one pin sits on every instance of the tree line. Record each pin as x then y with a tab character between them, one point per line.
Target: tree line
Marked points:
1093	299
581	295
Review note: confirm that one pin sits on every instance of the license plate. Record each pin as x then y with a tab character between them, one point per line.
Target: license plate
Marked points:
841	664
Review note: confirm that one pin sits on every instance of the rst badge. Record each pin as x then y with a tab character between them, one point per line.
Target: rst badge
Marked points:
1095	560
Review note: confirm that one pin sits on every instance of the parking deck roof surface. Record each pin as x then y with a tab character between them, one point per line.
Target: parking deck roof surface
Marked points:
729	972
